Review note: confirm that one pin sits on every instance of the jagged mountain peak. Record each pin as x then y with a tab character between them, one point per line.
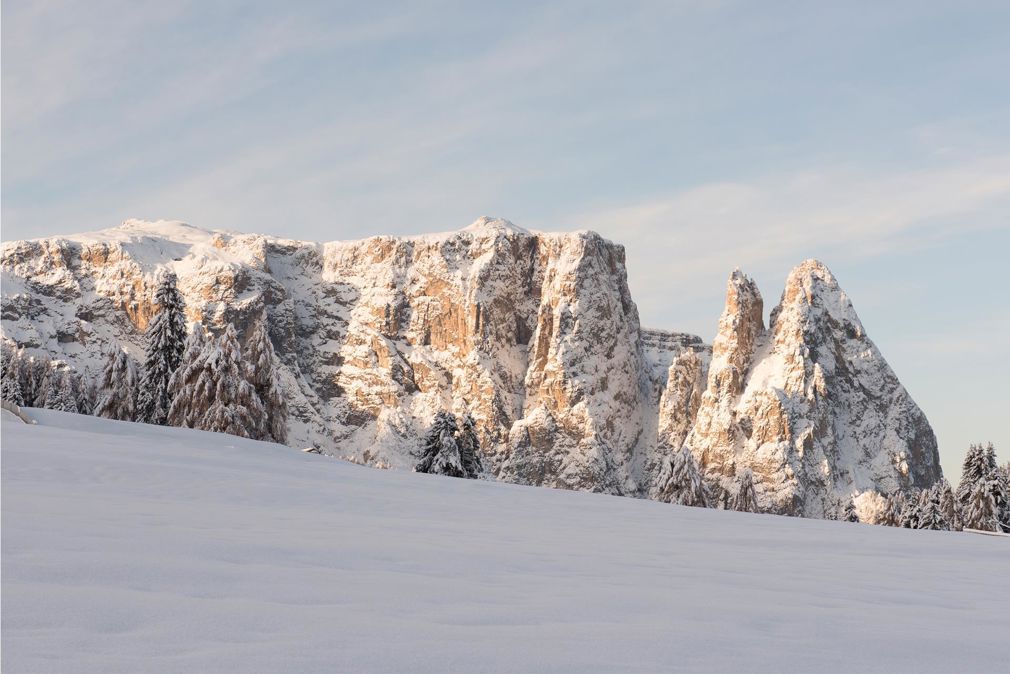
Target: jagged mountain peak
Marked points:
808	404
812	301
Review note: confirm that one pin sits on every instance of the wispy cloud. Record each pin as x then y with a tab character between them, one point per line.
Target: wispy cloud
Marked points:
769	224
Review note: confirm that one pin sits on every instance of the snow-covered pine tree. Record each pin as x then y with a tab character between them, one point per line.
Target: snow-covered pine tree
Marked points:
981	511
683	484
896	502
264	378
49	389
849	512
931	510
65	400
166	339
911	512
745	498
1000	487
439	452
236	409
10	379
469	448
117	395
948	505
189	405
33	382
973	470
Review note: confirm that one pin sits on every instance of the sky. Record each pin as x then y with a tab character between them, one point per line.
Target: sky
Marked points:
704	135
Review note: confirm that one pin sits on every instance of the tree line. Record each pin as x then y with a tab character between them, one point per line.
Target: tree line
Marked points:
192	379
981	501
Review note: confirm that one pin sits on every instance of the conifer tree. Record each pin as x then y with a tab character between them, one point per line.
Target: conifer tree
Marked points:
10	380
264	377
117	395
931	510
235	407
981	511
63	398
469	448
49	389
999	486
911	512
973	470
948	505
440	453
189	406
683	483
896	502
745	498
34	382
166	338
849	512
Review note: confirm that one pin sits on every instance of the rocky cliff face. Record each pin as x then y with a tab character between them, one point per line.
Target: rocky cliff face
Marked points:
808	404
536	334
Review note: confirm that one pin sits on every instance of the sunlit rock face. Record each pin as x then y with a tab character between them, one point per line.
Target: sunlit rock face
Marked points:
808	404
534	333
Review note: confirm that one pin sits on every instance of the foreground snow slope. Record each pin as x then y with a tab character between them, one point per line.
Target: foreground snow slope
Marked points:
134	548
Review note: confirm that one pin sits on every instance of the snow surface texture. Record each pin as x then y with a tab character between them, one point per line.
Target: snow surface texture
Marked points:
535	334
131	548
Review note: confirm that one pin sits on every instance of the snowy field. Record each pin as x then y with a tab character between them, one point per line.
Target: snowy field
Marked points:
130	548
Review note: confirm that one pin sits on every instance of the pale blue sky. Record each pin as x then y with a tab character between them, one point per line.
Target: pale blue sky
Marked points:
703	135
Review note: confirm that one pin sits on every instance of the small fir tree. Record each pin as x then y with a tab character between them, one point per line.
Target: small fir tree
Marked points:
117	395
469	448
49	390
974	470
34	389
896	502
440	452
264	377
981	511
931	511
683	483
849	512
948	505
745	498
10	380
64	400
166	339
189	406
235	407
911	513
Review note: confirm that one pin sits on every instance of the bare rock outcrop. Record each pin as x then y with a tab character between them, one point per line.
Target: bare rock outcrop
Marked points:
809	404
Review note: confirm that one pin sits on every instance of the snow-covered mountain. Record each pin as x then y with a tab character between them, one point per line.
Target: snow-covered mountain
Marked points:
534	333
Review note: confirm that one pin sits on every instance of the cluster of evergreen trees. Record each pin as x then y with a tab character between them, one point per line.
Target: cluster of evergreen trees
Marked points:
982	499
682	483
195	380
28	381
452	448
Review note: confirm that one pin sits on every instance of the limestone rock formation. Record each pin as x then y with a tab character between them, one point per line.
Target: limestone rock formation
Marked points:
809	404
534	333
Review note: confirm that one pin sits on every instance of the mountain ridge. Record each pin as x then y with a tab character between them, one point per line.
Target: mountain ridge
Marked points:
536	333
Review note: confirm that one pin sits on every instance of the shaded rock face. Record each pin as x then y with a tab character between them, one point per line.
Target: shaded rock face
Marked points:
809	404
535	334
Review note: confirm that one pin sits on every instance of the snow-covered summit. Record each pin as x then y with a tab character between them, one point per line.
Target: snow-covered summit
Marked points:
488	225
133	230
